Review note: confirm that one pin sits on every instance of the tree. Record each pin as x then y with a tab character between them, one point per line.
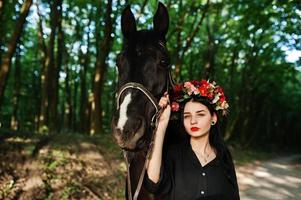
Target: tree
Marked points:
7	57
103	48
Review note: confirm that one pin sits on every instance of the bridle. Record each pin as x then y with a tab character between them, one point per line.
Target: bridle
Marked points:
154	124
150	97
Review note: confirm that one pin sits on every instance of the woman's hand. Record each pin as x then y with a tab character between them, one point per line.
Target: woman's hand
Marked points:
164	104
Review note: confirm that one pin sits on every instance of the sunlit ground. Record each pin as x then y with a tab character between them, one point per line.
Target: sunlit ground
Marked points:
271	180
73	166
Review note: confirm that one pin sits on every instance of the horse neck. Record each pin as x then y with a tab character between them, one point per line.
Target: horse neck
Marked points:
137	164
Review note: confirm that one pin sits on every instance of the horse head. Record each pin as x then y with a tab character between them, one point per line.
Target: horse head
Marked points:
144	60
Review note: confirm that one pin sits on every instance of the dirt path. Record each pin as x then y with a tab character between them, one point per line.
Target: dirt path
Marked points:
73	166
60	167
271	180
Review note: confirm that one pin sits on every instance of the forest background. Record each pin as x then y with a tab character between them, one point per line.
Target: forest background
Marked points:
58	69
58	83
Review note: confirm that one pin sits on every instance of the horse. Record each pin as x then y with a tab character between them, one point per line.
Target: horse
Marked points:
143	77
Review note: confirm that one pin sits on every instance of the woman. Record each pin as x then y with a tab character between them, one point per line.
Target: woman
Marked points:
200	167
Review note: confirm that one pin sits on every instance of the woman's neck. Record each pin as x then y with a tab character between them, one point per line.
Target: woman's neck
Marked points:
201	144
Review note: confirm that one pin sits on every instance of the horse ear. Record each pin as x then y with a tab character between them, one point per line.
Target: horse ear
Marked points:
128	22
161	20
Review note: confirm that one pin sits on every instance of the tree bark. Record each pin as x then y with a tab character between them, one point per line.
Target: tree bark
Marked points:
1	11
14	122
100	69
43	82
2	34
74	111
6	61
54	72
84	106
47	93
49	81
67	106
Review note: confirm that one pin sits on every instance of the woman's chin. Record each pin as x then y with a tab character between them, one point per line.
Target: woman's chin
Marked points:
197	134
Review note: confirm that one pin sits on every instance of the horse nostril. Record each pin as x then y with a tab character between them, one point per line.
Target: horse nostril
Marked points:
118	131
140	142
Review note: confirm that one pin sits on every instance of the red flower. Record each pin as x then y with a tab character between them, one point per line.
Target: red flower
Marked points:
178	87
196	83
204	82
218	89
210	95
175	106
222	98
203	90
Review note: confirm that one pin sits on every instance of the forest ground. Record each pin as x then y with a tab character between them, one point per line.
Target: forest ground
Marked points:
74	166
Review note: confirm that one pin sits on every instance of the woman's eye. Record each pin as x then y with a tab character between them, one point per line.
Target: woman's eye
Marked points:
185	117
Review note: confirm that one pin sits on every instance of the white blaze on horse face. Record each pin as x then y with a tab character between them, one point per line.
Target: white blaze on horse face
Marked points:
122	111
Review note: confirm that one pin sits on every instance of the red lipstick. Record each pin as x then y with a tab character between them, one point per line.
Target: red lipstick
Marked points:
194	129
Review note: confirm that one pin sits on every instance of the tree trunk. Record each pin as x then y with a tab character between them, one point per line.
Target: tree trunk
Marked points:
67	108
54	72
6	61
2	34
1	12
43	110
84	107
74	113
209	55
231	123
100	69
14	122
47	77
49	84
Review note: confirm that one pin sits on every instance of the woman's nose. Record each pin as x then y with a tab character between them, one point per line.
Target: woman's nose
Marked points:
193	120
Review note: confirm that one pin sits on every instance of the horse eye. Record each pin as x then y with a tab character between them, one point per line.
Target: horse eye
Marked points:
164	62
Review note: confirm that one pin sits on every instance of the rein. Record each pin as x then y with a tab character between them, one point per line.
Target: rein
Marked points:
154	124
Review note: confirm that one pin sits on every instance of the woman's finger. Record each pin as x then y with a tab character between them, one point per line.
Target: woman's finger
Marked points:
162	104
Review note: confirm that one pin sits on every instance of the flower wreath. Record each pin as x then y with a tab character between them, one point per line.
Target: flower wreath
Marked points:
196	89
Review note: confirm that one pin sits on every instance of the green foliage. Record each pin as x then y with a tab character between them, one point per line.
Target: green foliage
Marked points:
244	42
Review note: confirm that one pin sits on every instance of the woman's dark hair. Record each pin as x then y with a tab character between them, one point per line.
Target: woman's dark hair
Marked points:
215	138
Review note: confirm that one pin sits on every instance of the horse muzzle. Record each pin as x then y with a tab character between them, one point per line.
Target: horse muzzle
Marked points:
130	138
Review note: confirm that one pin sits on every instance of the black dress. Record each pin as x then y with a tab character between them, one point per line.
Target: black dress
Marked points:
182	177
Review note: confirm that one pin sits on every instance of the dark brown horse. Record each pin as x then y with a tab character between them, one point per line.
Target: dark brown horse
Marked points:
143	61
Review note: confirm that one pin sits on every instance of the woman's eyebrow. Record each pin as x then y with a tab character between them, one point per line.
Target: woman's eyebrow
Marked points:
196	112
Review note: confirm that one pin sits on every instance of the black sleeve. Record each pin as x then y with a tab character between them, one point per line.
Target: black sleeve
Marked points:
151	186
164	184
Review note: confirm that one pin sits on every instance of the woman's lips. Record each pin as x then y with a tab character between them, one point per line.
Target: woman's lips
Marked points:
194	129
